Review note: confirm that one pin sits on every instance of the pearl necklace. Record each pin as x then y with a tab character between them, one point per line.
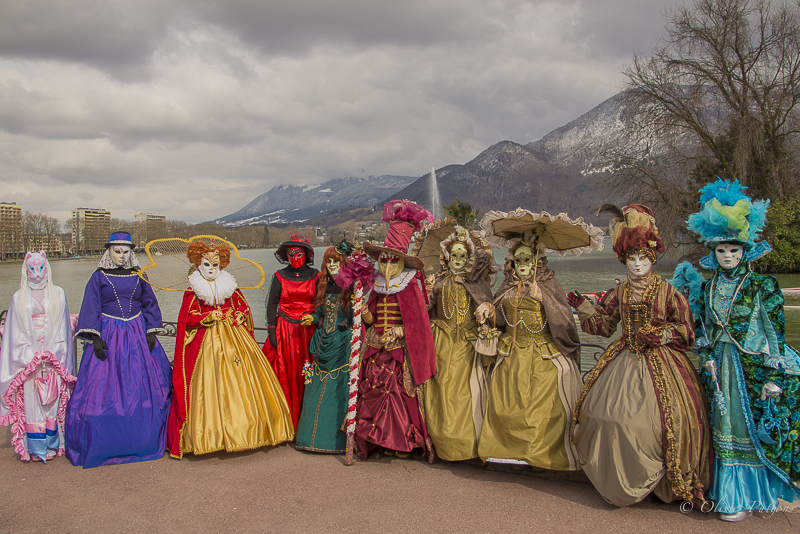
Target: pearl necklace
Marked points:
521	320
450	294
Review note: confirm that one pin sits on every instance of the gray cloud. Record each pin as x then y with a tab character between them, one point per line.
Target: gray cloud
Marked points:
191	108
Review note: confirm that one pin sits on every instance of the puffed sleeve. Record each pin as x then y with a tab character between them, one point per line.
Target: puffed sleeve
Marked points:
678	330
150	309
89	318
601	319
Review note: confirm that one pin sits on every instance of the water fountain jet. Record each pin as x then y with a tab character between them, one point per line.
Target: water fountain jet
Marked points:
436	203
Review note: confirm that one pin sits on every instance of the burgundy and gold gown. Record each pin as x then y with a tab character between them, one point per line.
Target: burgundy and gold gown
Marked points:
292	295
390	411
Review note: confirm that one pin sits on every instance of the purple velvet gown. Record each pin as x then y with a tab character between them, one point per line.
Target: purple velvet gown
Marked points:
119	407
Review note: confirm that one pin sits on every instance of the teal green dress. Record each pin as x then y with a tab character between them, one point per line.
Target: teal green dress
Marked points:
741	328
325	399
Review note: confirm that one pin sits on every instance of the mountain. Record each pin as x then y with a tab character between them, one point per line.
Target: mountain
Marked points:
292	203
562	171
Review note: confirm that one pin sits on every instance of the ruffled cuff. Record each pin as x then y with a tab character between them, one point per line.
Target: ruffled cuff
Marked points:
86	333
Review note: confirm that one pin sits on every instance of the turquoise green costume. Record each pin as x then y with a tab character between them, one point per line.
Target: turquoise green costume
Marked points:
325	399
755	377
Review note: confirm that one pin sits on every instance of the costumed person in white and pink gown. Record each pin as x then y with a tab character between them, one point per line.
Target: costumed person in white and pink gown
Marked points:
118	411
292	295
37	363
226	396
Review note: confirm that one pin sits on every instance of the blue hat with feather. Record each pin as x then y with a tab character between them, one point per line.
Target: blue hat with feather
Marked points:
729	216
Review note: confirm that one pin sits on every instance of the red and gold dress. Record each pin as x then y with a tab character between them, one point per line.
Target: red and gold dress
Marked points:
293	294
226	396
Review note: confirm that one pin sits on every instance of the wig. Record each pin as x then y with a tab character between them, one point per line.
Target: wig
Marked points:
197	249
331	253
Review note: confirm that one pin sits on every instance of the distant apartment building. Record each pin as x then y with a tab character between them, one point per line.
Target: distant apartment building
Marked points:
53	245
91	228
10	230
148	226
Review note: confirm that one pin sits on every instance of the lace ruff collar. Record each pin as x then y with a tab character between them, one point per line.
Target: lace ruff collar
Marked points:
223	287
396	284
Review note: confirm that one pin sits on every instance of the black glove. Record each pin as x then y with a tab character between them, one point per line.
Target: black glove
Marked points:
575	299
273	340
151	340
343	325
100	347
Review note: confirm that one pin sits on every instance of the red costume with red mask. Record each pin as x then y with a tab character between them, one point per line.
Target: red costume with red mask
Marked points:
292	294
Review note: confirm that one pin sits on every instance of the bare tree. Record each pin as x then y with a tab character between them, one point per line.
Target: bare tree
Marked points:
717	96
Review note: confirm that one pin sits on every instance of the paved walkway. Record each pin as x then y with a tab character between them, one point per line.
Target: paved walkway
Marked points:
284	490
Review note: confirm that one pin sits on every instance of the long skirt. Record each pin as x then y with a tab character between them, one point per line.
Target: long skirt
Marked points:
620	433
390	410
39	395
287	361
325	398
118	410
235	401
449	403
741	480
528	416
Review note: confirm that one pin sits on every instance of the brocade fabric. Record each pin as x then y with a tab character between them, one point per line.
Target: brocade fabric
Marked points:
641	420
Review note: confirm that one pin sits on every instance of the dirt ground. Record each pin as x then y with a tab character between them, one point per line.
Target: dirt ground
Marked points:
284	490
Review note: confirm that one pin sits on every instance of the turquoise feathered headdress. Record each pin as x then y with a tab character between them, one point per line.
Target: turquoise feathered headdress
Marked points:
730	216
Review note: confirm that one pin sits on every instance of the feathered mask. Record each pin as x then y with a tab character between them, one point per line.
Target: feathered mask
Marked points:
633	228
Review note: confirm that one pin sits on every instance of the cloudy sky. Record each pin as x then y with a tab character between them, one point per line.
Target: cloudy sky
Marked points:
191	108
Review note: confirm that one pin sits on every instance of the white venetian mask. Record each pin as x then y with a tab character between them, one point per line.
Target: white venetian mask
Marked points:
120	254
729	255
209	266
638	264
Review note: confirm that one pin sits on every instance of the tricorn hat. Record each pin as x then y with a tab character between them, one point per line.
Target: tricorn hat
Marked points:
404	218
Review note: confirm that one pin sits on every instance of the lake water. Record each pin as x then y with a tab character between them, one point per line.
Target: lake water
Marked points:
587	273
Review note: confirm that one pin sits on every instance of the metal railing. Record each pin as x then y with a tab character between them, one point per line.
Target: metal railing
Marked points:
171	330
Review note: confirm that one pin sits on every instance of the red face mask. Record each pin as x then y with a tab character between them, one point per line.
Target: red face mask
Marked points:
297	257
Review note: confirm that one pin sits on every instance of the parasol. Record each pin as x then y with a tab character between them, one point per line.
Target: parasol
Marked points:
427	245
169	268
556	233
